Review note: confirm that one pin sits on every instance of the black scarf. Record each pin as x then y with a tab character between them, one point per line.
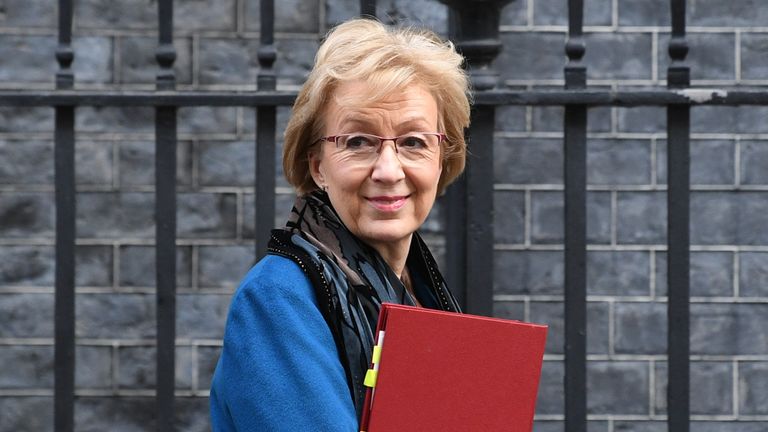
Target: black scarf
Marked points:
351	280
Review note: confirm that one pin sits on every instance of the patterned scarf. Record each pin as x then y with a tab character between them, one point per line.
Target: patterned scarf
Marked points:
351	280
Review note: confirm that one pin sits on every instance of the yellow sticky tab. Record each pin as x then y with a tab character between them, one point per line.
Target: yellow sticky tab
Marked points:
376	354
370	378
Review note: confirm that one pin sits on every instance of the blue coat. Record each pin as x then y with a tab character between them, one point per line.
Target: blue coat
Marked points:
279	368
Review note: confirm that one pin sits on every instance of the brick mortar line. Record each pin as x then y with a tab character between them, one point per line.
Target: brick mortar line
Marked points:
629	247
601	298
630	187
628	29
114	342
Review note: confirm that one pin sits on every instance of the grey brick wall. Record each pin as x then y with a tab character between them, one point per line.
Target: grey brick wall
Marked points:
216	44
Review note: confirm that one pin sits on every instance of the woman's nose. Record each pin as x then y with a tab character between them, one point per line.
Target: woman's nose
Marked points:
387	167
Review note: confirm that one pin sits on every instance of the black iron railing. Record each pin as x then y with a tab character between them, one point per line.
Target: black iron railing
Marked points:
474	26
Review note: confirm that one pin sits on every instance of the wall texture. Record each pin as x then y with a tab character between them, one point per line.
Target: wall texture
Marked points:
216	44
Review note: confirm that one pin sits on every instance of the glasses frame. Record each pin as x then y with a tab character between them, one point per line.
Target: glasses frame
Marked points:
335	138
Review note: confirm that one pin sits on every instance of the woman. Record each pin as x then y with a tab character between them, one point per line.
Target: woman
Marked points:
375	135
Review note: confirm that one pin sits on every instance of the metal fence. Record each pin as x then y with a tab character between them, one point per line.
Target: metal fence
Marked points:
474	26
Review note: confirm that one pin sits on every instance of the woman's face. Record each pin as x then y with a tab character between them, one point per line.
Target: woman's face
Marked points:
385	200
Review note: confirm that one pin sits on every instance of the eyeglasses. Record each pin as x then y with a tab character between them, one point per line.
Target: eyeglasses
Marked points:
414	148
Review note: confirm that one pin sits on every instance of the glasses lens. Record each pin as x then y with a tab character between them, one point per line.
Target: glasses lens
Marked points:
417	147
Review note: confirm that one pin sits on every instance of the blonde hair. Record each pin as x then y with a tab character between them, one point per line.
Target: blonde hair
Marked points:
388	59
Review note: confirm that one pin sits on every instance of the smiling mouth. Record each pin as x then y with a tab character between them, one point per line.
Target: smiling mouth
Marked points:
388	203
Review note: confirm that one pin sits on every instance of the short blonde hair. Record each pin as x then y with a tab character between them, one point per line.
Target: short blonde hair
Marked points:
389	59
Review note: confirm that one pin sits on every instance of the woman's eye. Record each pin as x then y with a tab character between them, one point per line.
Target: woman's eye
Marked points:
359	141
414	142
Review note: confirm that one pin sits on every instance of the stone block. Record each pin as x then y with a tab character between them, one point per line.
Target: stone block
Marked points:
93	163
192	414
619	387
729	120
26	315
618	55
547	212
208	120
726	426
27	13
528	272
131	120
754	160
553	315
618	273
93	367
224	163
115	413
753	388
619	162
207	357
93	266
26	265
711	388
281	121
137	163
291	16
27	214
509	217
515	13
510	118
32	366
283	205
115	315
235	61
550	119
33	58
205	15
551	398
714	327
93	59
711	274
641	217
207	215
530	56
641	119
138	64
26	119
753	274
26	414
640	426
337	11
553	12
434	224
528	161
115	215
753	63
202	315
514	310
644	13
224	266
710	56
131	14
735	13
640	328
26	162
712	162
137	367
137	266
729	218
420	13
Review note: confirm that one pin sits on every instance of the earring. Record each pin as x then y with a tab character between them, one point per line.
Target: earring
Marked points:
325	188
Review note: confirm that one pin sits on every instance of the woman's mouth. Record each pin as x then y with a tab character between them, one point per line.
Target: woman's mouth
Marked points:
388	203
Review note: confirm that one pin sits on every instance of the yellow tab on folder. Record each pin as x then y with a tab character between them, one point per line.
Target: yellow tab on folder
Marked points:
376	354
370	378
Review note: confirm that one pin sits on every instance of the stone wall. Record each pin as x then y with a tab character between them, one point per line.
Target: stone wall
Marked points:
216	44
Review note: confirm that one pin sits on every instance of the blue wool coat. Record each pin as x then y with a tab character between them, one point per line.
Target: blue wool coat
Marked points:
279	368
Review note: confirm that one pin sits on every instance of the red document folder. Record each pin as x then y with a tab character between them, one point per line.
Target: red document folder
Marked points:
443	371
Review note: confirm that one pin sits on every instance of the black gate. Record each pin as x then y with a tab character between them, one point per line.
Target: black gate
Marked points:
474	26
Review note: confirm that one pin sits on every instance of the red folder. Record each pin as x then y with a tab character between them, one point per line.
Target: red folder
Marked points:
443	371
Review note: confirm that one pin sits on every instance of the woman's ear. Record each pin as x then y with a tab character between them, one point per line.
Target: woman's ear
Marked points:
315	169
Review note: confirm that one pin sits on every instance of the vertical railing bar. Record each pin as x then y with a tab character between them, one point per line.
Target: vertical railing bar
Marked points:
368	8
678	241
264	189
65	198
474	26
575	219
165	224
